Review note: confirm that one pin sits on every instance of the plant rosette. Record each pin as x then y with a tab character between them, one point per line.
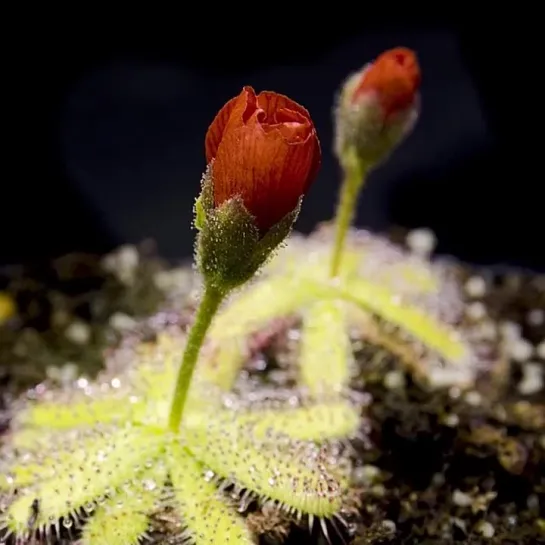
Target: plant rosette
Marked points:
96	461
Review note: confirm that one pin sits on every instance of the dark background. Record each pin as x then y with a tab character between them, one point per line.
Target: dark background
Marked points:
107	142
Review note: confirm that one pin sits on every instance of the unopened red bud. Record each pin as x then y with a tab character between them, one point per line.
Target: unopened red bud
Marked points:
394	78
263	153
266	151
378	106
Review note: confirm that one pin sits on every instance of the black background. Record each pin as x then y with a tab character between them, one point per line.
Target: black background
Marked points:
106	128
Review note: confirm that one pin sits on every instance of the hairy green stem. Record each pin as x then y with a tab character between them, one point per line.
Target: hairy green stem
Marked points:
354	178
208	307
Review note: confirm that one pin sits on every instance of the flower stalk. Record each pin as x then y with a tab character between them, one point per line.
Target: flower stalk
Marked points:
208	307
355	174
262	153
377	108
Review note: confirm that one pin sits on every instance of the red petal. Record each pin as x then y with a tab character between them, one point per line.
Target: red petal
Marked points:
235	111
268	172
395	77
277	106
272	103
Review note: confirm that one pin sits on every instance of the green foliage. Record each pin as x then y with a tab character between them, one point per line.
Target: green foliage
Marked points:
411	296
327	357
100	457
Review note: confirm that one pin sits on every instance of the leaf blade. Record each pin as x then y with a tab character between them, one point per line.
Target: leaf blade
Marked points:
208	518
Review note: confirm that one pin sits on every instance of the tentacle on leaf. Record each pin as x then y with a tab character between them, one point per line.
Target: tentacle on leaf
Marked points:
64	482
33	463
82	412
317	422
207	518
421	325
274	469
159	366
246	313
123	519
316	262
264	301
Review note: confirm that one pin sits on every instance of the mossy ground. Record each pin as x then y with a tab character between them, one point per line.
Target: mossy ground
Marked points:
439	466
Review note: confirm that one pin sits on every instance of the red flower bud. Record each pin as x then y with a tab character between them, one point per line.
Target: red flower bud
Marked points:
378	107
394	77
266	151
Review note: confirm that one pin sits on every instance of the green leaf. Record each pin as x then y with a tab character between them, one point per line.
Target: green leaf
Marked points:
309	260
124	518
33	465
252	308
78	412
326	358
317	422
247	312
208	520
423	326
74	479
153	378
293	474
220	368
244	314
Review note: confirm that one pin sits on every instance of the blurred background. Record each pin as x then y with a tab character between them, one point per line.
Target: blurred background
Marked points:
109	128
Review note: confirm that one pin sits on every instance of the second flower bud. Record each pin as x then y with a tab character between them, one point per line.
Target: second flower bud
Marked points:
378	106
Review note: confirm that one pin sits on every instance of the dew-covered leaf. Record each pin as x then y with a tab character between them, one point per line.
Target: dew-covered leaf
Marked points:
221	366
123	519
295	474
207	518
154	378
423	326
263	301
84	411
318	422
73	478
326	358
306	259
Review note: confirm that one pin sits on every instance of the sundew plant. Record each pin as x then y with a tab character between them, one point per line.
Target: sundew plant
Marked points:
162	446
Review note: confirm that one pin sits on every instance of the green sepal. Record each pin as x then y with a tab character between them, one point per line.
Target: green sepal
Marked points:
362	126
226	244
266	246
230	249
205	201
200	215
207	191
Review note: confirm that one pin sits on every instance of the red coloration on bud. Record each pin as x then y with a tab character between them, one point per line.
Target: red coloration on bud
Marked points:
395	78
265	150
